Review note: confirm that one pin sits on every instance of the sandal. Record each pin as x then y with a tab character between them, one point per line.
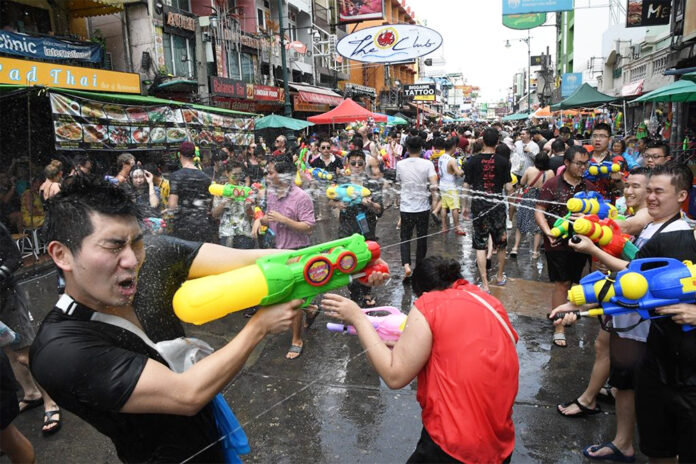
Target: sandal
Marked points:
48	421
30	404
535	254
584	411
369	302
502	282
616	455
294	349
606	394
559	337
310	316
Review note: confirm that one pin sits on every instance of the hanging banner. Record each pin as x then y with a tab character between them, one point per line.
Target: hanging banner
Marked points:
49	48
82	124
524	21
689	20
570	83
511	7
640	13
389	43
356	11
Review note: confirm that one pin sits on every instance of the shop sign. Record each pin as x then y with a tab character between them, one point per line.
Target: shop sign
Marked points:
179	22
420	92
48	48
524	21
25	72
83	124
511	7
251	42
231	88
640	13
357	88
265	92
237	105
353	12
389	43
570	82
300	105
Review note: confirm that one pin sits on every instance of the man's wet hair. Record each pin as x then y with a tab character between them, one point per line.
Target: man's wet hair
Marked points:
68	214
558	145
640	171
439	143
283	165
681	176
491	137
451	142
435	273
503	150
602	126
541	161
660	144
414	144
356	154
569	155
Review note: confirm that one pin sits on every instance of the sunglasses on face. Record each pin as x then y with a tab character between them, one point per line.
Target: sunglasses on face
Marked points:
357	163
326	148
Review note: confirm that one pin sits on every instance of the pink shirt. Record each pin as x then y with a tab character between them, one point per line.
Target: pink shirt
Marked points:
296	205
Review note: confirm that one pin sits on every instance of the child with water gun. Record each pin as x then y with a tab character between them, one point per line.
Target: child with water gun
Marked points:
233	206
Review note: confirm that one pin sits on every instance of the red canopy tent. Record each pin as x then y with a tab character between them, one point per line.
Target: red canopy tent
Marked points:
348	111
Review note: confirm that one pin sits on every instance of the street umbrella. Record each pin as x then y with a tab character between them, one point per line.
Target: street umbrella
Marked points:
679	91
690	76
396	120
515	117
275	121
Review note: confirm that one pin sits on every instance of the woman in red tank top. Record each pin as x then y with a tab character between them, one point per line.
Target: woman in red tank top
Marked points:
460	344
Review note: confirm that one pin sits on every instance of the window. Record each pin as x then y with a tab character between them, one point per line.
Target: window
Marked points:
233	64
247	68
263	14
261	19
179	54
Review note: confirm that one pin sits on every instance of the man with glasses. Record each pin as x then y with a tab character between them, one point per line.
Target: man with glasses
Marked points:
279	144
565	265
601	137
326	159
656	154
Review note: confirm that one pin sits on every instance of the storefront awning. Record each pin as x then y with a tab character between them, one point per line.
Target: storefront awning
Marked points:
90	8
633	89
318	95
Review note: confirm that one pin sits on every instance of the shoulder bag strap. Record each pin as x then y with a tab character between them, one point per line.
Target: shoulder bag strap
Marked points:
495	313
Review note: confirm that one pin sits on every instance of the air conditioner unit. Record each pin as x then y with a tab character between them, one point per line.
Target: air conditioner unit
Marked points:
635	51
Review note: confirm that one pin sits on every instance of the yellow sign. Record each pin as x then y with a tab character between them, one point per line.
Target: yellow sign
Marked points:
26	72
424	98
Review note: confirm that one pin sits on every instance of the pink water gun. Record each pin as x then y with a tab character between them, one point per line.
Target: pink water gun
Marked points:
389	327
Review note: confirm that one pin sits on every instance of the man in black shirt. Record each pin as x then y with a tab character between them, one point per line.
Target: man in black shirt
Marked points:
88	353
488	173
190	200
326	160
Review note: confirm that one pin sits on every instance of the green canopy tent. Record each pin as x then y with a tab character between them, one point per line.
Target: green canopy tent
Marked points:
515	117
274	121
690	76
585	96
679	91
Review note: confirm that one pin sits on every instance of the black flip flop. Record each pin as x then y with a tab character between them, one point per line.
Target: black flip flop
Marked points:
49	421
584	411
30	404
310	316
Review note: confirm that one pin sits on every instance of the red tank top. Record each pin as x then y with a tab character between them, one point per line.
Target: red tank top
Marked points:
468	387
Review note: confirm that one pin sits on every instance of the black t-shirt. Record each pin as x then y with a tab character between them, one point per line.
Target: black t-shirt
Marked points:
191	186
487	172
91	368
348	218
555	162
254	171
332	167
671	353
165	268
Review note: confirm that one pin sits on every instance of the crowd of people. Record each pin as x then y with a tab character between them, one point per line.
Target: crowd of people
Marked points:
488	180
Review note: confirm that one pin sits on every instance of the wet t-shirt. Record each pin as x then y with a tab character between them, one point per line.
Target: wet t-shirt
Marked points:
91	369
192	219
487	172
333	165
348	218
165	268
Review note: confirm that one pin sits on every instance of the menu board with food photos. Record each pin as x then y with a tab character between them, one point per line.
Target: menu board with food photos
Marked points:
82	124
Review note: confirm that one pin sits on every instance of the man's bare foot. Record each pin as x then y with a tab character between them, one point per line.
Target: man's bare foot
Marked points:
295	351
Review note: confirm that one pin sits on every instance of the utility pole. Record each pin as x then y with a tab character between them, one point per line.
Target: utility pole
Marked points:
529	73
283	59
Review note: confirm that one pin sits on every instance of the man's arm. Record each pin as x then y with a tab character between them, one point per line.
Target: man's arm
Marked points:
216	259
455	167
635	225
173	202
588	247
162	391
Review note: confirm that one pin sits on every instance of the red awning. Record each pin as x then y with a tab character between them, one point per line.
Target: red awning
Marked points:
312	97
348	111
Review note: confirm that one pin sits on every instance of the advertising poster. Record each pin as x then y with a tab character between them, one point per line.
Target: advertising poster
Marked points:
353	11
641	13
514	7
82	124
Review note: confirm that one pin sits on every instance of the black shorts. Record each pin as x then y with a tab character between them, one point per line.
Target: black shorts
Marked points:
666	418
489	222
625	356
428	451
9	406
565	265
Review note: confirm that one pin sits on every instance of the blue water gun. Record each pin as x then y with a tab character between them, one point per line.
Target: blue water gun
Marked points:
321	174
351	194
592	203
646	284
601	170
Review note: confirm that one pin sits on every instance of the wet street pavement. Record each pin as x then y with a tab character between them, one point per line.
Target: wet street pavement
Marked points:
329	406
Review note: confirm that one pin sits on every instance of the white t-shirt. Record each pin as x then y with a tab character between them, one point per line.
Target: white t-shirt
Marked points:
640	332
413	175
520	159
